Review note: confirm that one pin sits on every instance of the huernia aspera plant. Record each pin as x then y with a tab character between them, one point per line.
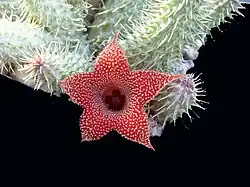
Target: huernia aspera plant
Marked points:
44	41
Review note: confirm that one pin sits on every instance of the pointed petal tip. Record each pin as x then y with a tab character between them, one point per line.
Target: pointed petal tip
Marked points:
149	145
116	35
83	138
62	83
178	76
173	77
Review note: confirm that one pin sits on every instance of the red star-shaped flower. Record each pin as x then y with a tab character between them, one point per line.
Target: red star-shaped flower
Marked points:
113	97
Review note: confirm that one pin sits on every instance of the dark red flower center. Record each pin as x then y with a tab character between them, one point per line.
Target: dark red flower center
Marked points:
114	98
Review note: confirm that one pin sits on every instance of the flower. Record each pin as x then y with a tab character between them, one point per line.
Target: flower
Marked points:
114	97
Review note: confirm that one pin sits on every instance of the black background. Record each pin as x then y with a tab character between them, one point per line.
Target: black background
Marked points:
40	134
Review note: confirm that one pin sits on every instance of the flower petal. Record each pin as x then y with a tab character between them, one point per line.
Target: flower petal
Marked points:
147	84
94	125
112	61
133	125
82	87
